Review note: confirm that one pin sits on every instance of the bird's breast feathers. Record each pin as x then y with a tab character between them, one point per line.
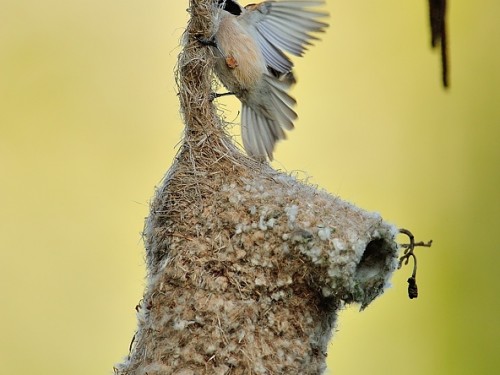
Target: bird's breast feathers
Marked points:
242	62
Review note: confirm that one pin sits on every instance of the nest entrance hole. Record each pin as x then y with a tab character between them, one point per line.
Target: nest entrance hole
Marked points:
373	263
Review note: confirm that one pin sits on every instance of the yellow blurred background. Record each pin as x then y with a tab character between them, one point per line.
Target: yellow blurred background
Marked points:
89	123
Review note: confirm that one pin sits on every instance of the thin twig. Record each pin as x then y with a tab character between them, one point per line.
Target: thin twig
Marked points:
405	258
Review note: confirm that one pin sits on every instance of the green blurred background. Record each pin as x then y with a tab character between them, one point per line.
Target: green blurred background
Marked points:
89	123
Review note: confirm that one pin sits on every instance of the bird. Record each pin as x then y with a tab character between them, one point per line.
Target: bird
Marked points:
250	46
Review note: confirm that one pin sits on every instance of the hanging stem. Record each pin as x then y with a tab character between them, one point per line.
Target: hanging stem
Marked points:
405	258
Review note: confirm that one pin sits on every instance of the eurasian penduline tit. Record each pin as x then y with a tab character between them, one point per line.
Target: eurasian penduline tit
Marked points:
250	44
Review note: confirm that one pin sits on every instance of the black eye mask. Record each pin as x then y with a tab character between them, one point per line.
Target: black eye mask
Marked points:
231	7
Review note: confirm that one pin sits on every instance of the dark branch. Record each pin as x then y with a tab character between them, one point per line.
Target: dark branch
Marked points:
437	14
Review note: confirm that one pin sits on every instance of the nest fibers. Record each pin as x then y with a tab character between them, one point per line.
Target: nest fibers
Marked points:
247	267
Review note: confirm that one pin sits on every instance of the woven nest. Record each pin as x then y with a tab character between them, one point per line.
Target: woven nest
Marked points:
247	267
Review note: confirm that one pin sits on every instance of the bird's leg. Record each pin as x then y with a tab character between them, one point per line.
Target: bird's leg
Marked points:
206	41
215	95
209	42
230	61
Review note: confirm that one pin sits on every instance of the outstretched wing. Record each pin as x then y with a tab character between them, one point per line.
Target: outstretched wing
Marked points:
283	26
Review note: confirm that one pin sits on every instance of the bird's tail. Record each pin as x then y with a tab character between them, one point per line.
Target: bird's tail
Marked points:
263	125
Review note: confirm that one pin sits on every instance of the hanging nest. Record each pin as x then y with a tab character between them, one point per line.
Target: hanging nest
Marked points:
247	266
